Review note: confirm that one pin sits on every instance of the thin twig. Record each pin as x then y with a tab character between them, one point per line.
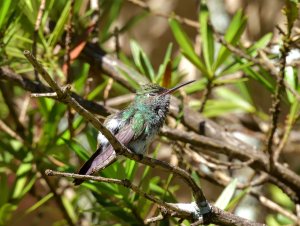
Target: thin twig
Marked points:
36	31
67	57
117	42
107	90
206	94
221	165
275	207
154	219
43	95
67	62
182	20
10	132
13	111
23	111
125	183
275	109
94	4
290	122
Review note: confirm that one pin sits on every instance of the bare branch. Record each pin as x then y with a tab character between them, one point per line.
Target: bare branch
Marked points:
36	31
125	183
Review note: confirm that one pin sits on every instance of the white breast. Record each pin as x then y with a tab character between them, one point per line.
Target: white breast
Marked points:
112	125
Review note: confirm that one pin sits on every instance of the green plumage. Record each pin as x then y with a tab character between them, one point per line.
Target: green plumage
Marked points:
135	126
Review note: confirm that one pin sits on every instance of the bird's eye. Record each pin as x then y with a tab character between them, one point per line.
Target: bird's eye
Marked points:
151	94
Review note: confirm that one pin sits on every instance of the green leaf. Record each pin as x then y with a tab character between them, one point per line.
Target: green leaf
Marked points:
226	195
186	46
123	215
130	169
92	95
261	43
141	60
232	36
39	203
237	199
291	11
219	82
269	85
228	102
271	221
206	38
21	177
30	12
59	28
77	147
29	185
243	88
292	79
111	11
127	26
4	189
280	197
235	67
45	106
69	208
196	86
146	65
6	9
6	212
163	66
80	81
283	220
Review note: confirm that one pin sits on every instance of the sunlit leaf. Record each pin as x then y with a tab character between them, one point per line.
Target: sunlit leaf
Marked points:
232	36
6	211
163	66
39	203
292	79
141	60
206	37
59	28
226	195
186	46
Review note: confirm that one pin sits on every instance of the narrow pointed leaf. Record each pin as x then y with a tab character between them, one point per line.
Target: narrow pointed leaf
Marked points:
233	34
226	195
186	46
206	38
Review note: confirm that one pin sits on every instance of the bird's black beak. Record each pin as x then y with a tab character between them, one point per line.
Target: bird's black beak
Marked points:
168	91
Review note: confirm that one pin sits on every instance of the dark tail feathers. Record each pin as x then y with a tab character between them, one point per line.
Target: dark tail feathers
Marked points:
103	157
86	167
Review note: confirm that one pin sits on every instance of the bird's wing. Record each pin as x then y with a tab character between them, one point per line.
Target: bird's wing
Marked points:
106	155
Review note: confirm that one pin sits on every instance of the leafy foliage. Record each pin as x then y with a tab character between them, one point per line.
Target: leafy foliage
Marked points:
56	137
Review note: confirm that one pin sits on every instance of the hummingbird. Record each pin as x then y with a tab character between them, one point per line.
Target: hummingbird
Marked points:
135	126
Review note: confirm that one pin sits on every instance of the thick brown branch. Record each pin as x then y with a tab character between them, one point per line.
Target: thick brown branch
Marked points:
220	217
285	177
36	87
